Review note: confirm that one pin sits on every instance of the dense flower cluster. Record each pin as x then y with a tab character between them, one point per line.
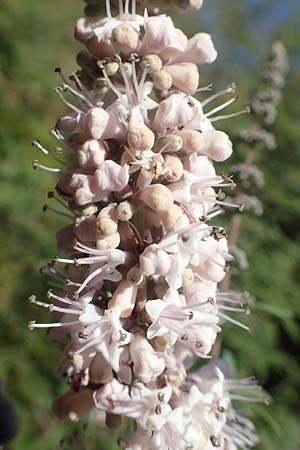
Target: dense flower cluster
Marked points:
139	299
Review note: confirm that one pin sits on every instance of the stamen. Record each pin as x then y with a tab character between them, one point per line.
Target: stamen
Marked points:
60	202
108	9
36	165
229	308
58	91
121	10
134	60
231	89
127	7
56	211
133	7
247	110
129	88
91	277
235	322
141	85
38	145
56	133
220	107
111	86
32	324
63	299
67	87
249	399
204	89
52	307
82	87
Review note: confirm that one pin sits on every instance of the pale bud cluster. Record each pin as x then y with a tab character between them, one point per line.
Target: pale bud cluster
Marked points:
139	299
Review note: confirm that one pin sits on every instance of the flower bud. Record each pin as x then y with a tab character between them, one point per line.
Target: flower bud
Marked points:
162	80
172	142
158	197
152	63
141	138
187	276
100	50
112	68
83	30
171	216
216	145
182	38
100	86
200	50
154	261
91	154
147	365
107	221
174	167
88	63
126	38
185	76
125	297
89	210
108	242
192	140
135	276
125	211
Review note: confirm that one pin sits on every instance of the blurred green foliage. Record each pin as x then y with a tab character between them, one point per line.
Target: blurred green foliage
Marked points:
35	37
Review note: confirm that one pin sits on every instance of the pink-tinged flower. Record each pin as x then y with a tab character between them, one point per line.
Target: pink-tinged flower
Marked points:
161	37
91	153
106	336
216	145
210	400
174	321
147	364
173	112
200	50
110	177
137	402
155	261
99	124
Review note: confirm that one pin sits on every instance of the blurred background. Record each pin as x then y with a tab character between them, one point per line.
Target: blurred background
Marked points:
35	37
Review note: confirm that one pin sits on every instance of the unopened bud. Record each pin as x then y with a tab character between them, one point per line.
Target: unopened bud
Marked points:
106	226
89	210
185	76
162	80
125	211
108	242
100	86
192	140
174	167
126	38
171	216
100	49
187	276
152	63
135	276
141	139
88	63
112	68
125	297
172	143
158	197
